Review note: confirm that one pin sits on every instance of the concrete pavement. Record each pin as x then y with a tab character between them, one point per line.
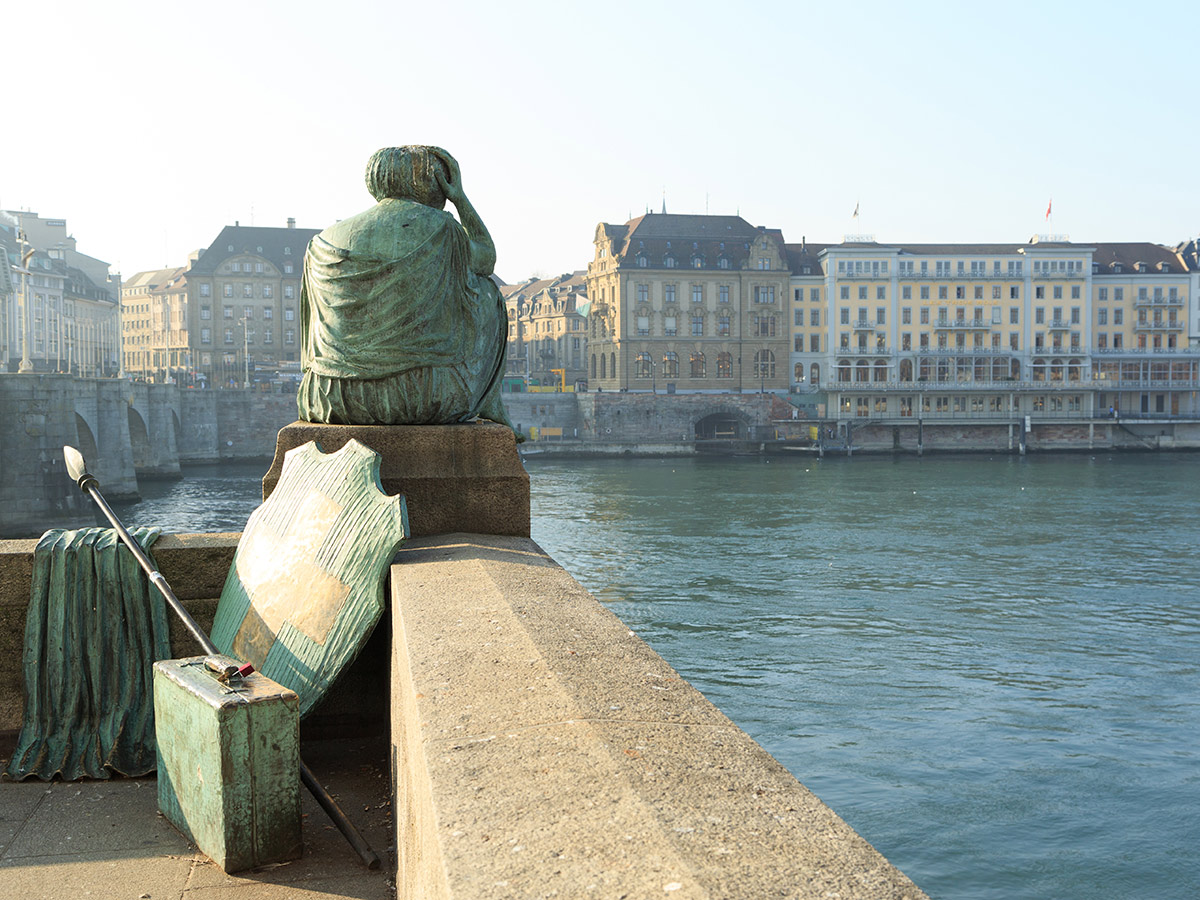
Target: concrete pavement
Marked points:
106	839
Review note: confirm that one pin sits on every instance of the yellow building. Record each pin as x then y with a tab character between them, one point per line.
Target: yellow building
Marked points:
993	331
154	329
547	330
687	303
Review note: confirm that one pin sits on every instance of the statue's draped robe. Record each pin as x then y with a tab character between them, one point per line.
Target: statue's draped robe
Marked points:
93	631
396	327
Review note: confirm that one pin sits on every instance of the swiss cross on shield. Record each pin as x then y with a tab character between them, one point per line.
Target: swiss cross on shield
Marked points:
306	586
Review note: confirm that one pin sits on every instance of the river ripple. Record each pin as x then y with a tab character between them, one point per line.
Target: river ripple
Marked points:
989	666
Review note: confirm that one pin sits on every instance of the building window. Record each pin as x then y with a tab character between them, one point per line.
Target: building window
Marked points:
723	293
289	292
267	336
247	290
206	312
881	293
862	292
814	318
228	312
723	326
228	290
696	369
642	365
764	295
267	312
669	262
845	294
764	364
643	324
880	315
698	326
206	290
289	314
668	293
814	343
723	263
643	293
924	315
1039	293
258	267
764	326
670	364
289	336
268	291
669	326
229	335
205	335
1118	318
247	312
724	365
697	293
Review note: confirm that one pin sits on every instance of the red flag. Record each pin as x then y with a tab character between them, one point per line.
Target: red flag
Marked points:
1048	207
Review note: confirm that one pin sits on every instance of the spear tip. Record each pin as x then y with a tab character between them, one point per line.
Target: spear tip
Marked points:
76	467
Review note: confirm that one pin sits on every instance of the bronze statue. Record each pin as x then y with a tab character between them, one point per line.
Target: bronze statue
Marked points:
402	323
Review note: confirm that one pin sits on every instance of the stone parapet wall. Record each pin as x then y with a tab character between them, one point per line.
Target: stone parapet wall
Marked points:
541	749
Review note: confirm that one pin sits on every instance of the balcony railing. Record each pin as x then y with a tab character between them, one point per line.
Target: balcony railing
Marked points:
963	324
1002	386
1158	326
1158	301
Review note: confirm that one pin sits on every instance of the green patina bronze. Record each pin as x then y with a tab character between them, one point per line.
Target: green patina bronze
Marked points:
306	586
402	323
93	630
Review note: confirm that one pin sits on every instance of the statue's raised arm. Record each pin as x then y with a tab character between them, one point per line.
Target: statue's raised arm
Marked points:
402	323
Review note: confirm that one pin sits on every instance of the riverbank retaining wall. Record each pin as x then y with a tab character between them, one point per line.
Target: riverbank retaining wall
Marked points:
537	743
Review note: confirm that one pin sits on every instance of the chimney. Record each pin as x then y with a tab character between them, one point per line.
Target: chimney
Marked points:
291	222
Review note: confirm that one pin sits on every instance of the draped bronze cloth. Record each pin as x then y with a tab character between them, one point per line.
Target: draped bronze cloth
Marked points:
94	629
397	330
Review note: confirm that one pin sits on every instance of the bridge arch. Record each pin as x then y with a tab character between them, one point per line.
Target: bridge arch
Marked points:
85	440
139	440
723	424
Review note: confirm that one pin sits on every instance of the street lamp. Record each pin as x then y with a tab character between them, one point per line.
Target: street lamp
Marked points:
26	365
245	352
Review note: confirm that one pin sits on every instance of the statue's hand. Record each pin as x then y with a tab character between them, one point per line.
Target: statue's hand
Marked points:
451	180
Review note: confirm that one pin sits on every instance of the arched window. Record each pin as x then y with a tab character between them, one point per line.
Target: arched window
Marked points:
764	364
798	373
1073	370
724	365
670	364
862	371
843	370
723	262
697	362
1056	370
603	367
642	365
906	370
880	371
612	364
593	365
669	262
641	260
814	376
1015	373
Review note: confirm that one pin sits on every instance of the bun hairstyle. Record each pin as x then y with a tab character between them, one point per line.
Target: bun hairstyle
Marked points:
407	173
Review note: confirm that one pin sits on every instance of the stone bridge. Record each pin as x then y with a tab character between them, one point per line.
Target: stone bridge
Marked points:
127	431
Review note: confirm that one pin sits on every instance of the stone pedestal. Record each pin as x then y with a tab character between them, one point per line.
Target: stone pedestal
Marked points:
454	477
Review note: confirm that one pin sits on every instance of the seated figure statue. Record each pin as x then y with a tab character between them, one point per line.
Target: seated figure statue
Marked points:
402	323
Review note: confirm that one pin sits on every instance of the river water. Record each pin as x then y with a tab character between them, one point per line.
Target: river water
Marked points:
989	666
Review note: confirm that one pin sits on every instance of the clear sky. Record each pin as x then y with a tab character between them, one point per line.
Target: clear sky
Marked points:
149	126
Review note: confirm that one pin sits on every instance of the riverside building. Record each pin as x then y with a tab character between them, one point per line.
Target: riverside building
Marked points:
684	303
1045	329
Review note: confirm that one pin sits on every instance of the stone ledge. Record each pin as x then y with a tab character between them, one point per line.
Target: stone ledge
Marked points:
454	477
540	747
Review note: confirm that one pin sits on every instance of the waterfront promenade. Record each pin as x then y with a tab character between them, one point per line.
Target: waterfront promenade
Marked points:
106	839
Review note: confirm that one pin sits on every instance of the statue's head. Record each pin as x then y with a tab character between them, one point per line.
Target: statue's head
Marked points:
407	173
